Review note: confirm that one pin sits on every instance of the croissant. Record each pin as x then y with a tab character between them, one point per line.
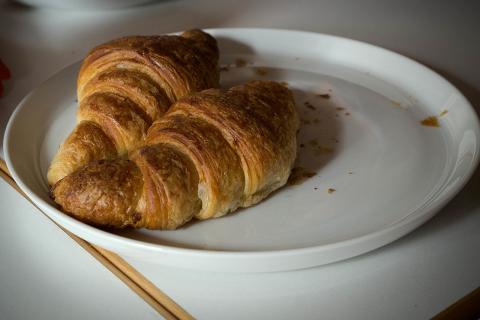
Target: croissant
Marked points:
126	84
212	152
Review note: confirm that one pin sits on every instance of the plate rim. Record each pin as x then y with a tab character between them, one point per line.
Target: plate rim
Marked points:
113	241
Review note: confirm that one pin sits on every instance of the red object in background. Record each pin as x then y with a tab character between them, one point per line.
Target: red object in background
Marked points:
4	75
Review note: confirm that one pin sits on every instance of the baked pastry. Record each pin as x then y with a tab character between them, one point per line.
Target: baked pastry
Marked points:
126	84
212	152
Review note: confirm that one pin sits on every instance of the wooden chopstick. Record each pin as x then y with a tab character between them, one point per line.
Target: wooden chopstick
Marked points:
157	299
4	168
467	307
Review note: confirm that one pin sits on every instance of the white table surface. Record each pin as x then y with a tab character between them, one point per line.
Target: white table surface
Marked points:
415	277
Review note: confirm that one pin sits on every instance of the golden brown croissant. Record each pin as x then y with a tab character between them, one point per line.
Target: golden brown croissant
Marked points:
211	153
125	85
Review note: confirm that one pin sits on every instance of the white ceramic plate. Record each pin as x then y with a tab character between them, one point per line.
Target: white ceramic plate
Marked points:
390	173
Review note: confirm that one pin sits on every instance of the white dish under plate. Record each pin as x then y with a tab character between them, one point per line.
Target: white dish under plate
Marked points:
378	172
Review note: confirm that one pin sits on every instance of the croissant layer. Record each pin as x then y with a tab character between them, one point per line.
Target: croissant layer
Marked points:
126	84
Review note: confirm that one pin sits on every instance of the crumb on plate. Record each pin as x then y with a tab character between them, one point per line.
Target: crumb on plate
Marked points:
323	95
430	122
309	105
261	71
239	62
321	150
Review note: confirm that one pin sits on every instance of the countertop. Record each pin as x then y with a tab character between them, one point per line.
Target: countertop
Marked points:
415	277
